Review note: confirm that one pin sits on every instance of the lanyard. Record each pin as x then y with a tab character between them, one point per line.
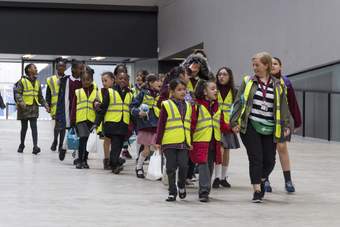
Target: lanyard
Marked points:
263	87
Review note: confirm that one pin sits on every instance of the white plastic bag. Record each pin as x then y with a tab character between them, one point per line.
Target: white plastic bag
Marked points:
155	167
91	145
100	148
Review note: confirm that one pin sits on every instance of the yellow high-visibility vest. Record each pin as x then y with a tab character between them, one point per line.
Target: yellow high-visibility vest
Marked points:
152	103
177	130
117	108
207	125
52	83
100	128
225	104
190	87
278	92
85	110
30	93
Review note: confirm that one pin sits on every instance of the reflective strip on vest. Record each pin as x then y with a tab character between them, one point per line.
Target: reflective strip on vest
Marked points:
117	109
29	93
207	125
177	130
225	105
152	103
249	84
52	83
85	111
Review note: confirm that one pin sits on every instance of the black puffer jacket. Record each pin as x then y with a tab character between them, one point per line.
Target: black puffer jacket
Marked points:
199	59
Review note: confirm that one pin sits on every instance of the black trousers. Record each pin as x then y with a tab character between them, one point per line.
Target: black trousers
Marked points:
206	170
82	148
34	129
176	159
117	142
59	131
261	151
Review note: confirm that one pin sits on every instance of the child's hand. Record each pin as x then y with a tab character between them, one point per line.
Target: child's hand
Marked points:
286	132
236	129
191	148
22	105
158	147
142	114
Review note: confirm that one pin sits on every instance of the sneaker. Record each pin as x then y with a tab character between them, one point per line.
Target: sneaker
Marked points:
225	183
36	150
267	187
76	161
54	146
257	197
171	198
21	148
216	183
289	187
62	153
85	165
263	190
182	193
117	169
204	198
140	173
79	165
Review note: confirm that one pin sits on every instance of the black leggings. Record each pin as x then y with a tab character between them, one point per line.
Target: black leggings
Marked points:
34	129
261	151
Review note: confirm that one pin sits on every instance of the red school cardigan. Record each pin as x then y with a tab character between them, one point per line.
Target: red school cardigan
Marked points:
199	153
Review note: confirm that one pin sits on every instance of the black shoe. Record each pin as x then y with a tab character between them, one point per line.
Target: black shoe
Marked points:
21	148
85	165
36	150
76	161
117	169
257	197
140	173
263	190
79	165
171	198
225	183
182	194
216	183
121	161
106	163
54	146
62	153
204	197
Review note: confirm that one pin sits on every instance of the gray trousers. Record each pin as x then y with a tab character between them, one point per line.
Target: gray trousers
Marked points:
176	159
205	172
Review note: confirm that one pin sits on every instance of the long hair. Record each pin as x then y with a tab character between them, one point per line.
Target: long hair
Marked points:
231	84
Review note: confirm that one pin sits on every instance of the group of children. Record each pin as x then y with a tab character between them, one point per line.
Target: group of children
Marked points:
190	115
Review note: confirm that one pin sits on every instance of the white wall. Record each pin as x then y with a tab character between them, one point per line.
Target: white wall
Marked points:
303	33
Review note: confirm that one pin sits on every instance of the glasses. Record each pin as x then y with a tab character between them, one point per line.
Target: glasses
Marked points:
223	74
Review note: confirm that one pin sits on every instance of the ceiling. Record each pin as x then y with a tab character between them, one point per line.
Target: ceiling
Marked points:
98	2
18	57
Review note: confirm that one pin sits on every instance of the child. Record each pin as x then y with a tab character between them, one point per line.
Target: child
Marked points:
207	124
173	134
83	115
67	87
116	113
28	98
140	80
108	82
146	121
52	99
229	140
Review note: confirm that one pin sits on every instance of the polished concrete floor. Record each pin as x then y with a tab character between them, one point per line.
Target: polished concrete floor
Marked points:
42	191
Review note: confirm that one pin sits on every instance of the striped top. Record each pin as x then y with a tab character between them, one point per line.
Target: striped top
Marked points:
263	115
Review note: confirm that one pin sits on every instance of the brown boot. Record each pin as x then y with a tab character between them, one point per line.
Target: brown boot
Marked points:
106	163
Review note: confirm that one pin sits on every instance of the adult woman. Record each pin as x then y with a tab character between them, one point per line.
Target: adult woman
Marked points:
261	116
